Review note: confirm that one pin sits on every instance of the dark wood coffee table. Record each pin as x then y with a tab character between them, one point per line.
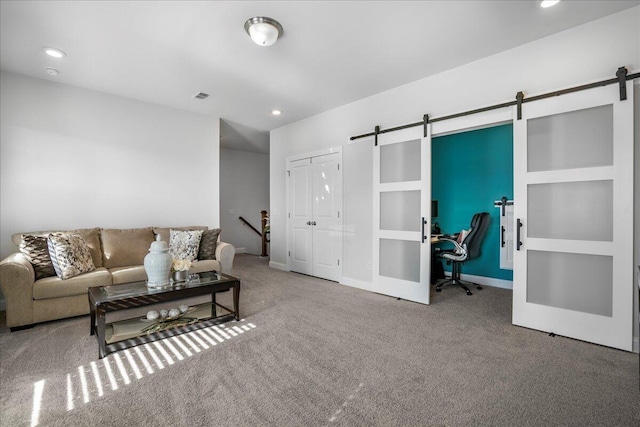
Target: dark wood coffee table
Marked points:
105	299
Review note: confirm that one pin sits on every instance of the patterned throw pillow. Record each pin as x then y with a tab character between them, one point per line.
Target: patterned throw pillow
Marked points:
35	249
208	244
70	255
184	244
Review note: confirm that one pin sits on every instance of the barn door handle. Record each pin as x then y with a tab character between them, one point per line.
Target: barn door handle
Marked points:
502	230
424	222
518	227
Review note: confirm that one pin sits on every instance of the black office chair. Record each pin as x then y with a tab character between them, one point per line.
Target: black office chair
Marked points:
464	251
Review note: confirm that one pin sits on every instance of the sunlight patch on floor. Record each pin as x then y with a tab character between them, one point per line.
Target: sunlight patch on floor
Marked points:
38	389
124	367
343	407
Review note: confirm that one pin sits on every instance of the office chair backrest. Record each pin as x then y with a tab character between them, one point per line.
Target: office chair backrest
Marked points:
479	225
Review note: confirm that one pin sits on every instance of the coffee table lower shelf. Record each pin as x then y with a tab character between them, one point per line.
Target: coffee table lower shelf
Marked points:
122	341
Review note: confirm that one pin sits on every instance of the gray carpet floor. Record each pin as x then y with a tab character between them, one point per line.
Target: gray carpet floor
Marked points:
310	352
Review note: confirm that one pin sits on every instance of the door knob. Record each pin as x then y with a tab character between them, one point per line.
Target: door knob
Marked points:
313	223
308	222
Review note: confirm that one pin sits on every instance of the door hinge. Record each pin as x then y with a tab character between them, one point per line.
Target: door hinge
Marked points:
338	166
288	173
338	262
289	214
338	214
289	253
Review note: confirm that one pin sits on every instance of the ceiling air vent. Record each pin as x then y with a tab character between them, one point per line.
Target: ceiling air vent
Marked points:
201	95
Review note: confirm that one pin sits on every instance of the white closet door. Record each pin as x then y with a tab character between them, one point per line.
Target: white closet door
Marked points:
573	185
402	204
326	202
301	216
315	192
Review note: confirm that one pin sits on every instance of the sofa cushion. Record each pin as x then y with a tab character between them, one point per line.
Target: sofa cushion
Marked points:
54	287
69	255
134	273
208	244
36	250
125	247
205	265
90	235
184	244
164	232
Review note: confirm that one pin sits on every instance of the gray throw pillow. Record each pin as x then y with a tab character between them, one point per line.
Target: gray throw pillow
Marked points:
36	250
208	244
70	255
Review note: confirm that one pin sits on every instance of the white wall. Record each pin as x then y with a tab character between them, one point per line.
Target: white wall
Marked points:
72	158
586	53
590	52
244	191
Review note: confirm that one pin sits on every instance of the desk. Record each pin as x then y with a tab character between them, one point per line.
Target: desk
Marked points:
437	270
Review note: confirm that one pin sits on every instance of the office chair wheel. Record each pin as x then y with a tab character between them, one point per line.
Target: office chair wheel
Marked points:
479	287
438	290
469	293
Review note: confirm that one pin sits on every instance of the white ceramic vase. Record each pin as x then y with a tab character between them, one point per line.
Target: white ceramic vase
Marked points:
157	264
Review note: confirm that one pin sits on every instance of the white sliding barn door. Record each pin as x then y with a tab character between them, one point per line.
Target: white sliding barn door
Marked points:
402	206
315	227
573	185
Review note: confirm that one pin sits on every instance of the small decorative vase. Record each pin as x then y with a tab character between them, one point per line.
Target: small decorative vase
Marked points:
180	276
157	264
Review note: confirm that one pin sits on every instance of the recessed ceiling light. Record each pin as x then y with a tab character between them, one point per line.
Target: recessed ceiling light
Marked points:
52	71
549	3
276	112
56	53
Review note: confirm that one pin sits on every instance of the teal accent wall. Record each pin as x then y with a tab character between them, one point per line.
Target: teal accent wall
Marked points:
471	170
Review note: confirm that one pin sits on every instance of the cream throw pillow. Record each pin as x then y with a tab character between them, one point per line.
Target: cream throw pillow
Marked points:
70	255
184	244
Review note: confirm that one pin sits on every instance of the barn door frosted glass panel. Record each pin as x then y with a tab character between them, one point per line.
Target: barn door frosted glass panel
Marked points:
571	210
576	282
400	162
400	259
400	210
577	139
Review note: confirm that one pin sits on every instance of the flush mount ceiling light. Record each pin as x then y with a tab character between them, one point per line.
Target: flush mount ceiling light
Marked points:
276	112
56	53
52	71
549	3
262	30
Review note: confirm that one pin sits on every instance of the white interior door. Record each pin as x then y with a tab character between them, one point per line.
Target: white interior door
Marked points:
573	185
402	206
315	207
326	227
301	216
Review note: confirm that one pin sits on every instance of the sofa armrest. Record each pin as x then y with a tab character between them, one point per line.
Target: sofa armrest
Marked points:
225	252
16	280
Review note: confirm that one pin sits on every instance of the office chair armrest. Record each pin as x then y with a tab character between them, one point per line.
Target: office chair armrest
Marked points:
458	247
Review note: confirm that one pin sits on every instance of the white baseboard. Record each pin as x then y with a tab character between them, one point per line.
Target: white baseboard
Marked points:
355	283
278	266
241	250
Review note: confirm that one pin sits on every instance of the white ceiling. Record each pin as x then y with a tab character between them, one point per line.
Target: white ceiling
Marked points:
331	53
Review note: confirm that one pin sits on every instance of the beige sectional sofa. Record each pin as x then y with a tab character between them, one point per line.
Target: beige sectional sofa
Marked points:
118	256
